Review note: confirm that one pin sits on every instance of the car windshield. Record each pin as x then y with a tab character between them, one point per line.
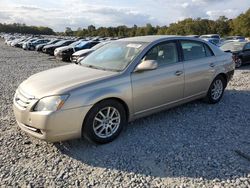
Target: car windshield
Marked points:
75	43
232	46
60	42
99	45
115	56
53	41
81	44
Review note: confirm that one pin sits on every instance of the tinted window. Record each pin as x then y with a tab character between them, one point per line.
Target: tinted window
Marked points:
247	47
93	44
193	50
165	53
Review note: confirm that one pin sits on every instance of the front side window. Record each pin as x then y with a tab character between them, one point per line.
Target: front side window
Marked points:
193	50
165	53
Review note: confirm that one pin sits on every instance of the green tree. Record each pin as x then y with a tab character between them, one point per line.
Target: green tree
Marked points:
68	31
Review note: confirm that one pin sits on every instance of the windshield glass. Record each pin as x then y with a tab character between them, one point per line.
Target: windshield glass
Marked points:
81	44
99	45
60	42
114	56
232	46
53	41
75	43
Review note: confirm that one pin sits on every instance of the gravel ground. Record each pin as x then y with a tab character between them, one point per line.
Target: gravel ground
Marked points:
194	145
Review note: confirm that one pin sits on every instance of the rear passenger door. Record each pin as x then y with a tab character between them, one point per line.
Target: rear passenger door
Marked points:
199	66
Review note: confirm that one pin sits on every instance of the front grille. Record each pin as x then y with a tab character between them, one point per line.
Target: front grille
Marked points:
22	99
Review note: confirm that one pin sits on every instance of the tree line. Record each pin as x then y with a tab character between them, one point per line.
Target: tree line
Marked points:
223	26
24	29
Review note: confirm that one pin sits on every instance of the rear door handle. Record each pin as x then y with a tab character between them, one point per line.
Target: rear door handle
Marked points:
178	73
212	65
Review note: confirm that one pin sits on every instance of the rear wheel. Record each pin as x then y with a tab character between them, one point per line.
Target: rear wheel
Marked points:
238	63
216	90
104	122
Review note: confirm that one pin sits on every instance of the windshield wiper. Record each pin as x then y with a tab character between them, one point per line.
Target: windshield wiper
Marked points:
100	68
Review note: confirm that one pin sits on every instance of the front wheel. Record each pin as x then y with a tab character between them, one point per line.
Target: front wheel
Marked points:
104	122
216	90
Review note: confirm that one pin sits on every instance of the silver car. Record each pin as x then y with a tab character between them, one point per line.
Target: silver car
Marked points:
122	81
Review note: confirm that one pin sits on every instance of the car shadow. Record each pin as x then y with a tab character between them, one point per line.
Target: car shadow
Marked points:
193	140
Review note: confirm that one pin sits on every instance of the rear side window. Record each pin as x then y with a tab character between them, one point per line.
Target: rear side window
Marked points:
193	50
209	52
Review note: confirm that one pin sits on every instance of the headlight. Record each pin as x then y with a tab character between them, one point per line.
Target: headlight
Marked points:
52	103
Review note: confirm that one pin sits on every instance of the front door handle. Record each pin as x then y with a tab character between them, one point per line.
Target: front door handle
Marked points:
178	73
212	65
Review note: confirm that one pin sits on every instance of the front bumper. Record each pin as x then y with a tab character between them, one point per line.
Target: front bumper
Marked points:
51	126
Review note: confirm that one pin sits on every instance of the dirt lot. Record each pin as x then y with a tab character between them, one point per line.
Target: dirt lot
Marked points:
194	145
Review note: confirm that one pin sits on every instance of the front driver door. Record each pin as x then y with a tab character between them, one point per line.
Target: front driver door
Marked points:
157	88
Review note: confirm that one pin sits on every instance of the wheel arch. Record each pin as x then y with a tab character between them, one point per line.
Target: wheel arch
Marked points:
224	76
119	100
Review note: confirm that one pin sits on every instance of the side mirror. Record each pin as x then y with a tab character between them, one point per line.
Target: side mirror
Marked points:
146	65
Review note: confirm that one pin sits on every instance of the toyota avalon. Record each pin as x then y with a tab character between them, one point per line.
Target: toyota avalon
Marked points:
124	80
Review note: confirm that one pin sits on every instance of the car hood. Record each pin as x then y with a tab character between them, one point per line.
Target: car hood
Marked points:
63	48
62	79
80	52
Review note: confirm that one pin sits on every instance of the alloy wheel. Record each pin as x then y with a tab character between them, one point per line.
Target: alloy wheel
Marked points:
238	63
106	122
217	89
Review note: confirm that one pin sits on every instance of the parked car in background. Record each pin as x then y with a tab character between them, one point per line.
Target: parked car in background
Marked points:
81	54
119	82
26	45
40	46
49	49
214	41
58	51
195	36
240	51
17	43
20	43
32	45
235	38
216	36
66	52
9	40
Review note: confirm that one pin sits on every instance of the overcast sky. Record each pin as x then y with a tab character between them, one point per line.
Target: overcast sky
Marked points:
62	13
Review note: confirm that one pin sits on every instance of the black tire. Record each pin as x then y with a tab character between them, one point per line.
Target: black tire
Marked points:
88	124
209	98
238	63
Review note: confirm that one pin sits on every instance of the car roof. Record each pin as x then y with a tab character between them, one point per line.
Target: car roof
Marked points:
153	38
163	38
